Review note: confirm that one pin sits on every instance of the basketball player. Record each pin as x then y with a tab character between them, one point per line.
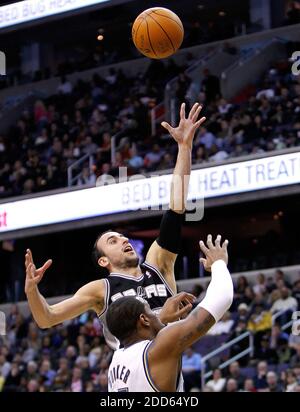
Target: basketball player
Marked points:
150	359
154	279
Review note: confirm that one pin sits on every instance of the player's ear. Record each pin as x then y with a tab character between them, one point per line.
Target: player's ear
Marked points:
103	261
144	319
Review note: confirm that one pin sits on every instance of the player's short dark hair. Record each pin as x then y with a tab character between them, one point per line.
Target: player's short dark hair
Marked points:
122	316
97	253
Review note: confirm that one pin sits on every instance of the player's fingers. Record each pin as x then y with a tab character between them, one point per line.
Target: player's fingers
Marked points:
218	241
225	244
184	295
182	111
210	242
189	301
167	126
179	297
46	265
203	261
40	271
204	249
193	110
30	255
38	277
199	123
29	271
189	298
196	114
186	309
33	270
26	260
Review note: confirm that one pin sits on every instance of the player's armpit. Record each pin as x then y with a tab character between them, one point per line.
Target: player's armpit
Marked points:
89	297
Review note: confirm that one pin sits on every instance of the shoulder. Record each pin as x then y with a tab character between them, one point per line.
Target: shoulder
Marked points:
153	269
96	288
146	266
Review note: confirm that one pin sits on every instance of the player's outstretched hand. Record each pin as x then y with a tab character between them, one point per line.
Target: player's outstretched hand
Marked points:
176	307
33	275
213	252
184	133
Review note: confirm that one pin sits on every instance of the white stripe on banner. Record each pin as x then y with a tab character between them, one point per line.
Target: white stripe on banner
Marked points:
29	10
228	179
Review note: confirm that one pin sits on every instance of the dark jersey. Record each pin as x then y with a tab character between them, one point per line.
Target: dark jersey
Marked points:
150	285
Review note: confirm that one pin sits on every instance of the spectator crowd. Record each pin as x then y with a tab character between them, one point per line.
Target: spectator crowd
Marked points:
82	118
73	356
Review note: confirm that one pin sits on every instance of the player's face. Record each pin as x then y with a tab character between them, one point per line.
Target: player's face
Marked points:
118	250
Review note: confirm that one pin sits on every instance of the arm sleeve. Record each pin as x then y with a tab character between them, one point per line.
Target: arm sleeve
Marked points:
219	294
170	231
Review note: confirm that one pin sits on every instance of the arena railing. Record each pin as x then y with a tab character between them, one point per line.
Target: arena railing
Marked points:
49	86
157	115
115	139
212	354
248	351
72	180
240	42
242	72
216	61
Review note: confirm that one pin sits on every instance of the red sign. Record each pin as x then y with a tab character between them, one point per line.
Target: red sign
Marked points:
3	219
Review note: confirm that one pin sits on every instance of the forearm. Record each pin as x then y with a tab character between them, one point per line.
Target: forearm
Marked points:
217	301
181	178
219	294
39	308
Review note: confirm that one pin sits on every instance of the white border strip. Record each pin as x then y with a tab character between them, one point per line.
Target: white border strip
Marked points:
210	182
28	10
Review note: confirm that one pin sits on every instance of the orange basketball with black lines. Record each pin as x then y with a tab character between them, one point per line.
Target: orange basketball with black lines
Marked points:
157	33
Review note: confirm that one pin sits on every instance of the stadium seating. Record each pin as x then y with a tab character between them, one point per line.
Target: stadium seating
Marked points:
81	119
74	357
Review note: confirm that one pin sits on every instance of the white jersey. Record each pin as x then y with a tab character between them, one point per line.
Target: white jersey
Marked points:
128	371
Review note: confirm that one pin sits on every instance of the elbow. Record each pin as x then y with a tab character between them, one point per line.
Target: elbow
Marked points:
48	320
44	325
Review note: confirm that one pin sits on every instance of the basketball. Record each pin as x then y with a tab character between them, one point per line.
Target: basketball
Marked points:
157	33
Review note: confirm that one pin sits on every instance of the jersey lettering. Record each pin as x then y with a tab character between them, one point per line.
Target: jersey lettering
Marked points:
146	292
118	373
150	286
130	292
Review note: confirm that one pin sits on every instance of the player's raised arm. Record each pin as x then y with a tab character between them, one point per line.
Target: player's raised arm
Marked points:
172	340
164	250
184	135
89	297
